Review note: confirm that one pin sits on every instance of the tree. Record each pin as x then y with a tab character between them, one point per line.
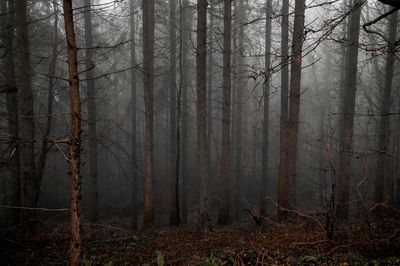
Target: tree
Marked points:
174	170
29	184
12	106
223	215
74	137
266	92
148	82
347	112
91	107
386	102
201	104
282	182
185	23
290	133
133	117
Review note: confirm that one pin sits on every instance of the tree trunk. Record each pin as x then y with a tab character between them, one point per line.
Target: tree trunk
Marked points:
201	104
291	131
25	110
283	182
266	91
347	113
41	165
91	107
174	211
386	101
184	72
148	73
75	137
12	108
223	215
134	205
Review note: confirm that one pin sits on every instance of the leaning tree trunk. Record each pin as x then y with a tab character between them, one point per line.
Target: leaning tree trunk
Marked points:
266	91
223	215
74	138
202	147
291	131
91	107
148	82
385	109
174	211
282	181
347	113
133	121
26	124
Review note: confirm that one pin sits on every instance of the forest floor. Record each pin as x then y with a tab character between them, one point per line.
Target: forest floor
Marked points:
368	242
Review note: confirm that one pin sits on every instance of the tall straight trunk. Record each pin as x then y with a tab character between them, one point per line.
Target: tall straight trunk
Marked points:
75	137
134	205
174	211
41	165
210	75
223	215
184	72
237	127
201	104
291	131
347	113
25	110
283	182
148	78
91	107
266	91
12	106
385	109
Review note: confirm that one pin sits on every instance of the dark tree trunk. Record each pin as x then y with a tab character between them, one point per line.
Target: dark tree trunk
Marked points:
283	182
134	164
384	131
14	186
184	72
174	175
74	138
29	185
266	91
202	147
291	131
148	73
223	215
91	107
347	113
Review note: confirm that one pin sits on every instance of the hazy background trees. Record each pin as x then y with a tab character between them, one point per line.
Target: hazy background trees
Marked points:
189	106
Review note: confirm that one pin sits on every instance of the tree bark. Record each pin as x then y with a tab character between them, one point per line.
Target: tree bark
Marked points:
347	113
239	192
386	101
91	107
74	138
26	124
184	72
223	215
291	131
174	211
41	165
283	182
14	186
266	92
201	104
134	205
148	72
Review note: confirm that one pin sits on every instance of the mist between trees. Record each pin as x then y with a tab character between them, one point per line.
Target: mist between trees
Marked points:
188	112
